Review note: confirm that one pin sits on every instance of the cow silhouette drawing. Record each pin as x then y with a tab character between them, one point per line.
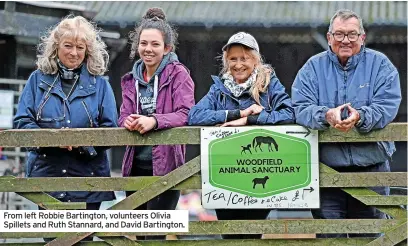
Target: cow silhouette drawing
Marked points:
245	148
260	181
264	140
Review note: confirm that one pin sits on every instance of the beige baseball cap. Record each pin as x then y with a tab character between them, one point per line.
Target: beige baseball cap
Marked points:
244	39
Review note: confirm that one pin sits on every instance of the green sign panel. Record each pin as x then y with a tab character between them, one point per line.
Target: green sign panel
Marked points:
267	162
259	163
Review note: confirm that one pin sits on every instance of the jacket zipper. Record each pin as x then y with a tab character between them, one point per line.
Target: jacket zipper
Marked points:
41	107
45	82
344	101
87	112
47	96
224	99
233	98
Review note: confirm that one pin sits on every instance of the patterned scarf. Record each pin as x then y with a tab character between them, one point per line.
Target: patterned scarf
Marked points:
235	88
67	73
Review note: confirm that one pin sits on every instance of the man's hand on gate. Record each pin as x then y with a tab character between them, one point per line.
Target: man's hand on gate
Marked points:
347	124
333	116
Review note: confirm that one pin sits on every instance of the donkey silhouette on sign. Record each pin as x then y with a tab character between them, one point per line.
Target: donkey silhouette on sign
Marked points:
264	140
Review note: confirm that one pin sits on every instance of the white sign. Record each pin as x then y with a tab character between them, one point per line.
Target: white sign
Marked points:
94	221
6	109
260	167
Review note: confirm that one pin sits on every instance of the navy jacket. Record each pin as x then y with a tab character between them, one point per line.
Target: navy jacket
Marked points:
43	104
211	109
369	81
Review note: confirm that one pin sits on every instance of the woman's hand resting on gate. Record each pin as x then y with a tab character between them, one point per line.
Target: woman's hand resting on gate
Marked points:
252	110
140	123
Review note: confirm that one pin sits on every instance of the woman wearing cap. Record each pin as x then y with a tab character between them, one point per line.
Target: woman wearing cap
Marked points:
247	92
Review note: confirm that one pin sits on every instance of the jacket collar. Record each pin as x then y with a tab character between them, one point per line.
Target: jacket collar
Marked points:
165	77
351	62
220	85
139	66
86	85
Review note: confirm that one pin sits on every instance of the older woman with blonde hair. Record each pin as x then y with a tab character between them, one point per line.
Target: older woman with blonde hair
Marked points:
247	92
68	91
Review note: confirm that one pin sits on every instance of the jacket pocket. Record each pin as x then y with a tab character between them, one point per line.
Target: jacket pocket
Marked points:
50	123
179	155
368	154
49	114
388	148
265	102
43	166
32	157
222	101
40	108
100	166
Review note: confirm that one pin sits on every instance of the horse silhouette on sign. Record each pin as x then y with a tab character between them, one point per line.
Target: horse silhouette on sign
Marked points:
264	140
245	148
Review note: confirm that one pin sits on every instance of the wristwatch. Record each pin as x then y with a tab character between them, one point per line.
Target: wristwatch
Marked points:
360	121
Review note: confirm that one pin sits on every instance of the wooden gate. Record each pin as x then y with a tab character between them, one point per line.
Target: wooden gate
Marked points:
394	230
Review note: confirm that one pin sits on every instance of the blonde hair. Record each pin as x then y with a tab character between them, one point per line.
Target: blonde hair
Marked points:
96	56
263	77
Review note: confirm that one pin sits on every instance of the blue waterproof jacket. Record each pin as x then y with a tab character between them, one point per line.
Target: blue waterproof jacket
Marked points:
369	81
211	110
91	104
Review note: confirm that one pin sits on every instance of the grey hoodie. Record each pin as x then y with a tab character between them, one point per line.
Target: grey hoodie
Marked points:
147	96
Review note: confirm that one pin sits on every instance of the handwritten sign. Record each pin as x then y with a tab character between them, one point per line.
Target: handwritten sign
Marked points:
253	167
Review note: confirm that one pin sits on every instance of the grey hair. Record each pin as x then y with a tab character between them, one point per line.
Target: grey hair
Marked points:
345	14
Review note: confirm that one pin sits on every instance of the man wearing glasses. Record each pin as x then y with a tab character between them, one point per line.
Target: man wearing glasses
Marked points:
348	87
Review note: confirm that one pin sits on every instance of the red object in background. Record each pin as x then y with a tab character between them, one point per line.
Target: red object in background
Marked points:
192	202
206	217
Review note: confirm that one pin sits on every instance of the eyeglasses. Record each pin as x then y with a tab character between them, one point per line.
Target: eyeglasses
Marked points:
352	36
